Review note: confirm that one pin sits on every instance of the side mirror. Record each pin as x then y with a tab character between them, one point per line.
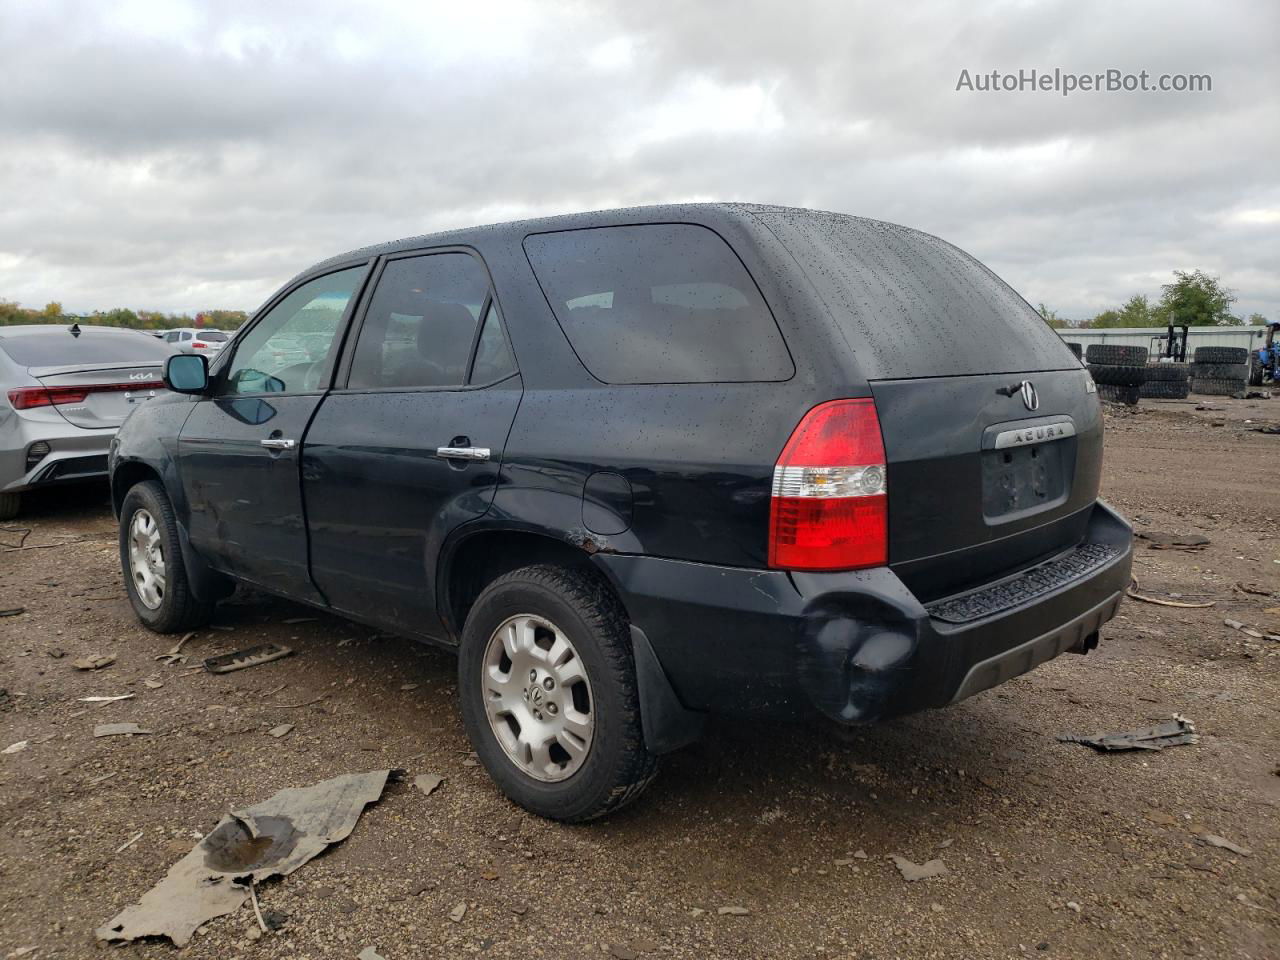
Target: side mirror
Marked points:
186	373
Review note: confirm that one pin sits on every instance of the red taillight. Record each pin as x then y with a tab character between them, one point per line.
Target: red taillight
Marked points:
24	398
198	345
829	509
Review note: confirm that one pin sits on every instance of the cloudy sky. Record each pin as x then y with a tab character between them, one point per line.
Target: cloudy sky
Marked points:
178	155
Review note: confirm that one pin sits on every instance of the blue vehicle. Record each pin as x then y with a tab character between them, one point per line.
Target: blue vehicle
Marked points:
1265	363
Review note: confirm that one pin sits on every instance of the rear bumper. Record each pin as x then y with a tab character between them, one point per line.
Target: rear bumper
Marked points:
858	645
74	454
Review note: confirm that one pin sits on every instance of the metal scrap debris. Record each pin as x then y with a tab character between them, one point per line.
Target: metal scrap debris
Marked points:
248	657
122	696
118	730
271	838
1170	733
911	872
13	612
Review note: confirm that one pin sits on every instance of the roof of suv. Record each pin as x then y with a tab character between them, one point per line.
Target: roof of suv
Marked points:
707	213
27	329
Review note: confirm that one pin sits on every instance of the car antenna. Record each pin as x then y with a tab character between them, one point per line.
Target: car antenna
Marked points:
75	330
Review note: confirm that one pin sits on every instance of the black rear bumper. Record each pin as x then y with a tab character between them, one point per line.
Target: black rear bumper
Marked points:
859	646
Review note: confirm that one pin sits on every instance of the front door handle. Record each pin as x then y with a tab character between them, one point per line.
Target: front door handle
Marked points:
462	453
278	443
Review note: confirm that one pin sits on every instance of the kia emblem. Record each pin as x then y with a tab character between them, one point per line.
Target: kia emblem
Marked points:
1030	399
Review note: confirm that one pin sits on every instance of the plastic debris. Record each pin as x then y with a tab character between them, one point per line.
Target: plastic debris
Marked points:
732	911
175	655
271	838
428	783
94	661
130	842
1172	541
248	657
13	612
1170	733
911	872
368	953
123	696
1225	844
118	730
280	731
16	747
458	912
1250	631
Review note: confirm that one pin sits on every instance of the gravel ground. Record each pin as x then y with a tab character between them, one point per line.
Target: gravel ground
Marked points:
1050	848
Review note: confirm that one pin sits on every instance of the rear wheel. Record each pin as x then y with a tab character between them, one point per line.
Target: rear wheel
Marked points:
9	505
549	697
151	560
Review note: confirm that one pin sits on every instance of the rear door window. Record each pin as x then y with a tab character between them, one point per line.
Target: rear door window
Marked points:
658	303
421	323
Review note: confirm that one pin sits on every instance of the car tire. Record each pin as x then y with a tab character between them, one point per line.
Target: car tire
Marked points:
1118	374
155	576
1220	371
530	612
1231	355
1255	371
1115	353
1217	388
10	504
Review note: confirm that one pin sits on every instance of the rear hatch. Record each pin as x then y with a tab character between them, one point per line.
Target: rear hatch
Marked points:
985	475
93	377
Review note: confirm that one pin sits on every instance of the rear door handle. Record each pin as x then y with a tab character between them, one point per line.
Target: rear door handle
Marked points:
462	453
278	443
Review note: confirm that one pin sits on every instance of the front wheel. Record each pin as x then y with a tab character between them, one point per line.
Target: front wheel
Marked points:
547	683
10	503
151	560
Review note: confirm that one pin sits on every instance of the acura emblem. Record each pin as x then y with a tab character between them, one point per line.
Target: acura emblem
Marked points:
1030	399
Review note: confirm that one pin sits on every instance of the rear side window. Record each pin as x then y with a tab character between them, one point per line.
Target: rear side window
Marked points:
421	323
658	303
59	347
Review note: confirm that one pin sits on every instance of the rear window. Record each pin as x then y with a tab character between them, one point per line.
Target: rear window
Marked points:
911	305
58	347
213	336
658	303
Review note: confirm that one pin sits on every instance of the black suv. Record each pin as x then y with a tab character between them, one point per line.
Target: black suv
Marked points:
640	466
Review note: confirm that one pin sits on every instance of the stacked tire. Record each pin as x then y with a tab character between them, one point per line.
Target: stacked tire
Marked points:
1166	381
1118	370
1220	371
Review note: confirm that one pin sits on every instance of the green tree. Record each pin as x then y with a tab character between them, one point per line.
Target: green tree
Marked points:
52	310
1051	318
1198	300
1107	318
1257	320
1137	312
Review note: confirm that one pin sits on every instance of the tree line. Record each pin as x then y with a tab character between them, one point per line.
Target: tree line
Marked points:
1193	298
12	313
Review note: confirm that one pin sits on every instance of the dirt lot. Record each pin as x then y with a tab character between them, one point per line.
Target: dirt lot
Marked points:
1051	849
